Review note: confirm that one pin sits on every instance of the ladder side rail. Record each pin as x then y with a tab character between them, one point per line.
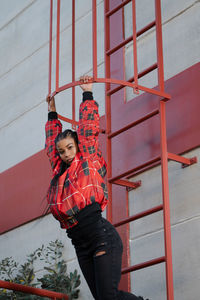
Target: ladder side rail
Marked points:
159	45
125	280
166	204
57	45
108	107
73	66
135	63
94	38
164	157
50	46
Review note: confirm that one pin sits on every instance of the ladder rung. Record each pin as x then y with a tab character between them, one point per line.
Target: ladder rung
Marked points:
146	28
75	123
114	10
122	44
146	117
131	171
144	265
185	161
129	184
141	74
140	215
130	38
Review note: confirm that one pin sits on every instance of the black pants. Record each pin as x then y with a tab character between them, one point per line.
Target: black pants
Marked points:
99	250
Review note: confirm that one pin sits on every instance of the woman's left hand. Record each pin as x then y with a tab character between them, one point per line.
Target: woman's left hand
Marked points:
86	85
51	103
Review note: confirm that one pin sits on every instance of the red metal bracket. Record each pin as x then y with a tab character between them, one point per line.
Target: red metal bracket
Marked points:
129	185
193	160
185	161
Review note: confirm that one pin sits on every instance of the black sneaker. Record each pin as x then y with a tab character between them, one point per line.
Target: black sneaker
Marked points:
141	298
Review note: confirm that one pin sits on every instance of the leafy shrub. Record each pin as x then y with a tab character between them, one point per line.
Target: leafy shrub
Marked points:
55	278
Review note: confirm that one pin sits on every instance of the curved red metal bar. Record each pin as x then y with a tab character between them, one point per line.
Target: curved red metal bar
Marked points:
124	83
115	81
120	83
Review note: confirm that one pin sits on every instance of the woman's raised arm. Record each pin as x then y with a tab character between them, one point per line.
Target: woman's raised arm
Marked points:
88	129
52	128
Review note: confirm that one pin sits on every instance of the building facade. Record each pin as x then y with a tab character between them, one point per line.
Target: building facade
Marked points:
25	173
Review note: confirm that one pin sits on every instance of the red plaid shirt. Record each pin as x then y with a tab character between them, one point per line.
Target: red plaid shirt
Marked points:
82	182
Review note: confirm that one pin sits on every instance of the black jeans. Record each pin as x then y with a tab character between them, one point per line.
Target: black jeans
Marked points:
99	250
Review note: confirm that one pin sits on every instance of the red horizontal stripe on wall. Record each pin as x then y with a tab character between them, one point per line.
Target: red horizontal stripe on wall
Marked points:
23	190
142	143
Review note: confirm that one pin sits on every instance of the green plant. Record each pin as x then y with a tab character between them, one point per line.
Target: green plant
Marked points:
13	272
55	279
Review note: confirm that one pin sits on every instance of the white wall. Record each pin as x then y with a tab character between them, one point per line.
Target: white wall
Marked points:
181	42
24	34
181	39
24	72
146	234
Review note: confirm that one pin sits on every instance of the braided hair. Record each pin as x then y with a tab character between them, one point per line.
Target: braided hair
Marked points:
63	135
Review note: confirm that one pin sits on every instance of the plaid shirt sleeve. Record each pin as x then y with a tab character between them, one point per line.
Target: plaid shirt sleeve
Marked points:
88	129
88	132
53	128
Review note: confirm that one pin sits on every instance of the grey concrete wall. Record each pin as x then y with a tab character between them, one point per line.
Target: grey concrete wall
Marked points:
24	34
25	239
146	235
181	39
24	71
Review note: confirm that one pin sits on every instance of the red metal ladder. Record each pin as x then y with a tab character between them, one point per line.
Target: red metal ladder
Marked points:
121	179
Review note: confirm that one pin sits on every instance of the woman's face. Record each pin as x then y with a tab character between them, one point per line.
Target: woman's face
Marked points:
67	148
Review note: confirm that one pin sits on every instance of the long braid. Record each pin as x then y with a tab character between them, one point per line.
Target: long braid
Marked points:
65	134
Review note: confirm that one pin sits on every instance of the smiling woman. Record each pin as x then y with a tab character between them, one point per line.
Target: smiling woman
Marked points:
78	194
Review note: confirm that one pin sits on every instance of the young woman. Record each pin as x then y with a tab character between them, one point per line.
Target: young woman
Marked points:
77	196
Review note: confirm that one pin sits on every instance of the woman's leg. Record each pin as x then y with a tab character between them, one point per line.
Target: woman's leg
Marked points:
107	266
99	253
86	264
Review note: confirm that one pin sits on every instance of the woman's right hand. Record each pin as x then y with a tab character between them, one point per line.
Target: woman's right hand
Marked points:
51	103
86	85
